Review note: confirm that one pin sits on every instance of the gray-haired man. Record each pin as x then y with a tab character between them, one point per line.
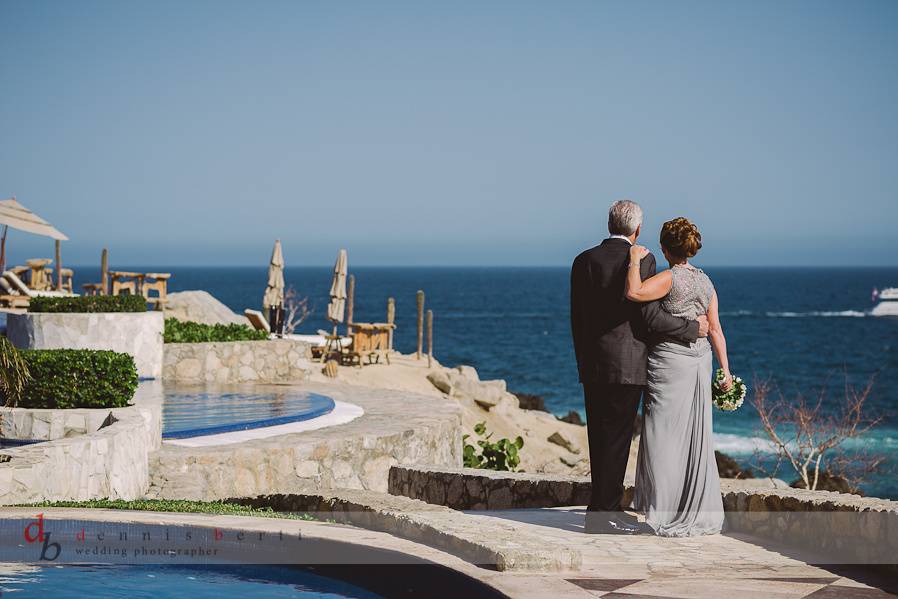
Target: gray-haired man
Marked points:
611	337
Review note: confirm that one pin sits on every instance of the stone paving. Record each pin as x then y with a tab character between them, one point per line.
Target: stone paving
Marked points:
649	566
547	548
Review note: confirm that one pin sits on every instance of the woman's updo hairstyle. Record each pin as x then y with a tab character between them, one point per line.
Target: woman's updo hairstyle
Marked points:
681	238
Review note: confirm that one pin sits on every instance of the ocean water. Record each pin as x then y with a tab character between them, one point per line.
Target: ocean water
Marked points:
799	327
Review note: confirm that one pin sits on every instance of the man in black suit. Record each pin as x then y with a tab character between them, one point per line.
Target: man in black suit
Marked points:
611	339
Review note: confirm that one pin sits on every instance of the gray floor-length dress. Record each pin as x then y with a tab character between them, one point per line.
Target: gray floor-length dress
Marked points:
677	485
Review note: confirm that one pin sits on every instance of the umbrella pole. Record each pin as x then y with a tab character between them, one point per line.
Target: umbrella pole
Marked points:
3	249
104	272
420	299
350	304
58	266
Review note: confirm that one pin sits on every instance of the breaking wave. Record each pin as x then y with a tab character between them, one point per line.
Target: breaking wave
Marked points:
811	314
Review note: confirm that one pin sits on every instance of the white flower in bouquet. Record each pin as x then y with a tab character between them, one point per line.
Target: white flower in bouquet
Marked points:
731	400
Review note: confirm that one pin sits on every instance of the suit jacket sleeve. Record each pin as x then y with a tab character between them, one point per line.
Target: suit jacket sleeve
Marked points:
579	291
659	322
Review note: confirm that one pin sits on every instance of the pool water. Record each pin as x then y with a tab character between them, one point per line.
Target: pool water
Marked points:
165	582
207	413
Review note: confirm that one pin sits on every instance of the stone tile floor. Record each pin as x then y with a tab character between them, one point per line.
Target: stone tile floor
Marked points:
724	565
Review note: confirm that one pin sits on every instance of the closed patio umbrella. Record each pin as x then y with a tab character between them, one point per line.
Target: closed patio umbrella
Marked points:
273	300
337	304
17	216
274	292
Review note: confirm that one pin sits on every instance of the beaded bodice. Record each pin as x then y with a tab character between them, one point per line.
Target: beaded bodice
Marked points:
690	292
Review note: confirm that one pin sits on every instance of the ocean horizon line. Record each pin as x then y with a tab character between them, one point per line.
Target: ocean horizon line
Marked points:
479	266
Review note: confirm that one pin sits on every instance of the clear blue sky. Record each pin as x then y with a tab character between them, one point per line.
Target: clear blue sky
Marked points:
450	132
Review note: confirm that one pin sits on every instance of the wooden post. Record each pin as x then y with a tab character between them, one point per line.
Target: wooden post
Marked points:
429	338
420	298
3	249
350	301
391	318
58	266
104	272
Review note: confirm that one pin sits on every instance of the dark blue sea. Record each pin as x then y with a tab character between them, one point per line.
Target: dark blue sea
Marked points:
799	327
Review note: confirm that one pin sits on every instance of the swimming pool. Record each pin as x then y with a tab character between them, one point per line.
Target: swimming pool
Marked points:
200	413
110	581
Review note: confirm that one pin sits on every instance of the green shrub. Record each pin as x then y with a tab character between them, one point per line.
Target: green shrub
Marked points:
89	303
501	455
13	373
78	378
177	331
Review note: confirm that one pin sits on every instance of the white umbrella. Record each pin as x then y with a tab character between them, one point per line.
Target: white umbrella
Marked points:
338	290
17	216
274	292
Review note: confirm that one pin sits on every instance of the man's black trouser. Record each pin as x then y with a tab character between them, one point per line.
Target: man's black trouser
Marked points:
610	415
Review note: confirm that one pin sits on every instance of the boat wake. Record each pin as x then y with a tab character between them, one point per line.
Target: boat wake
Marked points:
811	314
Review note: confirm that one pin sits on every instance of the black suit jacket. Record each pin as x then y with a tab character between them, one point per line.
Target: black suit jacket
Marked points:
612	334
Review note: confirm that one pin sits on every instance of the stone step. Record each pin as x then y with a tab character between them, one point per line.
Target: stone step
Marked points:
485	542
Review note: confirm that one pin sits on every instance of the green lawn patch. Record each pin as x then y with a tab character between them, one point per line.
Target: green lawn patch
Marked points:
175	506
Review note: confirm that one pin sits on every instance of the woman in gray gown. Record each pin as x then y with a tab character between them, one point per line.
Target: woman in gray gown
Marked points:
677	485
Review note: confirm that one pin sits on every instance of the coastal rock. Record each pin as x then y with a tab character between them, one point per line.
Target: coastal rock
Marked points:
830	482
463	383
202	307
572	417
727	467
528	401
498	408
469	372
440	380
570	462
562	441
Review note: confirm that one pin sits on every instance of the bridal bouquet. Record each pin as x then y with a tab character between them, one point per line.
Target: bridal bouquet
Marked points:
728	401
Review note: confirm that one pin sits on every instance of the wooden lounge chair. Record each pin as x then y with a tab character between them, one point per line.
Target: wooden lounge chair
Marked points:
10	298
258	320
20	288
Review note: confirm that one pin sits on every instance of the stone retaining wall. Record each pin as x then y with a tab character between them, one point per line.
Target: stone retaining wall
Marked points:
475	489
396	428
270	361
108	462
848	528
136	333
42	424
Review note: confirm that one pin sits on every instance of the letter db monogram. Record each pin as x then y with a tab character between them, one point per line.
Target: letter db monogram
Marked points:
34	532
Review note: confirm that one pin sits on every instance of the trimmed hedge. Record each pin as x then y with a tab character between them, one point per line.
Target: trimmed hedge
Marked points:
78	378
177	331
89	303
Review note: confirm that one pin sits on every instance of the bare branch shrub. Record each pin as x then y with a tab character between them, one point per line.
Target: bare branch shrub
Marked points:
297	309
811	441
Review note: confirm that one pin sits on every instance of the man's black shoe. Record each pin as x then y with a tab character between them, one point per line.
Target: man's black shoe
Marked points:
613	525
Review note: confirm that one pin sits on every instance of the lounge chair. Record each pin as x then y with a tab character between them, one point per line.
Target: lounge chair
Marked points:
258	320
10	298
19	288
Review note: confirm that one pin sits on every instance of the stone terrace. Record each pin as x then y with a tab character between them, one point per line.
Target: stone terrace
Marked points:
396	428
545	551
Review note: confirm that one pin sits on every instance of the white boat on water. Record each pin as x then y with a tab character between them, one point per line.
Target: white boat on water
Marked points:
888	303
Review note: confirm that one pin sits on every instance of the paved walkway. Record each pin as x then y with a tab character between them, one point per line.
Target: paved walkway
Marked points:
716	566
